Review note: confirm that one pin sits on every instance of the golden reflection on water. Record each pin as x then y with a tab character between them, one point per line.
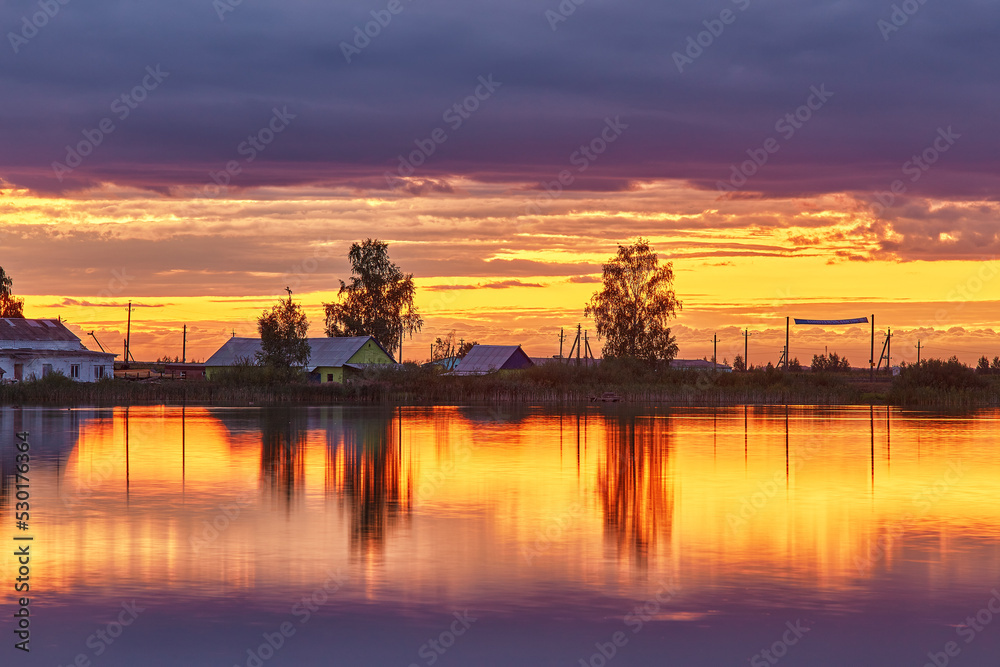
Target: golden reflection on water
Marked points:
447	503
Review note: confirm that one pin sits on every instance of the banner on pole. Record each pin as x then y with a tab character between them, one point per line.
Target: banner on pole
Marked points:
857	320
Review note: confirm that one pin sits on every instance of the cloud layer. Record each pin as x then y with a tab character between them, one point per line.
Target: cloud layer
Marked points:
224	73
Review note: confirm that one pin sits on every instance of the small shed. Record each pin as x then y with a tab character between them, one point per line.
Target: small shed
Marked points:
699	365
448	363
483	359
330	359
184	371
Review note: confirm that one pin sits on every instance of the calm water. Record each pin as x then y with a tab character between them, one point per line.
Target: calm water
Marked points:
476	536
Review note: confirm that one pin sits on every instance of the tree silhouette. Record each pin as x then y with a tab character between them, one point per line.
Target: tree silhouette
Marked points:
378	301
635	305
283	335
10	306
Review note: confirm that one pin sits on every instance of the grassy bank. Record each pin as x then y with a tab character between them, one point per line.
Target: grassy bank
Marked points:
632	381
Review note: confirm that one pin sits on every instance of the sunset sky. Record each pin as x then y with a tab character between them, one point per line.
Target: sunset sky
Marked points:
878	124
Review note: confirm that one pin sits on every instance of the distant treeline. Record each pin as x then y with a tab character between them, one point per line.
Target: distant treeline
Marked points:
931	383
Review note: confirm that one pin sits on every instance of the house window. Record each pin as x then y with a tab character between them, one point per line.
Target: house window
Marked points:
74	371
98	372
329	377
46	370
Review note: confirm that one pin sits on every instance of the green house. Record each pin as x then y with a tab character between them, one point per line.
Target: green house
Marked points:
330	359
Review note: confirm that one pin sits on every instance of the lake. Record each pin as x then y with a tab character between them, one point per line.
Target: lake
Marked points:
596	536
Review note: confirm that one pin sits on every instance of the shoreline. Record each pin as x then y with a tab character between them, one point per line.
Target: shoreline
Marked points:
578	388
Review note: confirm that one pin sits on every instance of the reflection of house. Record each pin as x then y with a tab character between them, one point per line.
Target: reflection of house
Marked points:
31	349
482	359
330	359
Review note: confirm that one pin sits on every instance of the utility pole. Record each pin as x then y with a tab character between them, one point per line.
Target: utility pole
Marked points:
918	353
788	323
184	352
579	340
888	351
569	357
871	358
128	335
746	348
562	335
715	348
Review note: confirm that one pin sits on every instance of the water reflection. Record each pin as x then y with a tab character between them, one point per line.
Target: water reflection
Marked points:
275	498
636	484
52	433
366	469
282	452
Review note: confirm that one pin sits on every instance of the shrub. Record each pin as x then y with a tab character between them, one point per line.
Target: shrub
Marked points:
938	374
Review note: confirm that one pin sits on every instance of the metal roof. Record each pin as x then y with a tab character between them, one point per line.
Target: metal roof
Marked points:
488	358
17	329
331	352
697	364
27	353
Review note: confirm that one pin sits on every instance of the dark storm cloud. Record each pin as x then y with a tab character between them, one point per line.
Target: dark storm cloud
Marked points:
224	80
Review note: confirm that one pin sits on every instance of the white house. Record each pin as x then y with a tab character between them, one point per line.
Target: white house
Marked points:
31	349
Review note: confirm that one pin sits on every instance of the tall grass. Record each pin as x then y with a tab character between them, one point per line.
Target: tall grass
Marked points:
549	383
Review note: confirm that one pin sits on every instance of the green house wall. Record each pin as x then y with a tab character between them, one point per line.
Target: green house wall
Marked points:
370	353
330	374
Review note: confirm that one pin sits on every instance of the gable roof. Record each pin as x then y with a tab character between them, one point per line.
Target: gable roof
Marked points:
339	350
488	358
18	329
332	352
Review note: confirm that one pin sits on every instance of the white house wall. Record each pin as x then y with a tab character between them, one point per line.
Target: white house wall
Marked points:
33	368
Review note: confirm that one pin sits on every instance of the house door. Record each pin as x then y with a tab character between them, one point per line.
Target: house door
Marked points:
18	372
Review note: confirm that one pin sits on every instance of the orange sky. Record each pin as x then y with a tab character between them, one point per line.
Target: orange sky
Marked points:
495	275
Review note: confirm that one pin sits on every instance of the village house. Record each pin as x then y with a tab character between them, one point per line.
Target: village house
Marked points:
699	365
32	349
483	359
330	359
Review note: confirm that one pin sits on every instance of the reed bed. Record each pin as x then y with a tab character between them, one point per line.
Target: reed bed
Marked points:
631	382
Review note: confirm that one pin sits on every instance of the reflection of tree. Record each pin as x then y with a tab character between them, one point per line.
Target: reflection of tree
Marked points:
636	484
282	465
368	472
